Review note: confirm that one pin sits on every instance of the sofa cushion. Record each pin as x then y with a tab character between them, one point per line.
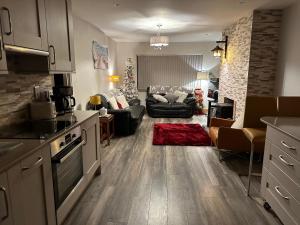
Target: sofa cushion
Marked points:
171	97
113	103
122	101
137	111
160	98
171	107
181	96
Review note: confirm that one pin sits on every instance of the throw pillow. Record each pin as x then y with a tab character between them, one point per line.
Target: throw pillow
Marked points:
181	96
238	124
160	98
113	103
171	98
123	102
119	105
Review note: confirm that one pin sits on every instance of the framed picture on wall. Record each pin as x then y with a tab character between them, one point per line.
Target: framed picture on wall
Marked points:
100	56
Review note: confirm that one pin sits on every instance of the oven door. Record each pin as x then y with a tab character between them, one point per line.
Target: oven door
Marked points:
67	169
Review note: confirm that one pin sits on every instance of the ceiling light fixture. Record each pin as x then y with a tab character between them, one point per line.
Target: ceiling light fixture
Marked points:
217	51
158	41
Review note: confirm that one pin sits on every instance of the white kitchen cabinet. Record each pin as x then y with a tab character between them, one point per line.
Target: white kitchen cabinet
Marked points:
91	148
5	207
60	35
30	182
24	23
3	64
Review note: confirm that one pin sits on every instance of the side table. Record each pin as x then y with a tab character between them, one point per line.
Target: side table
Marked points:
107	128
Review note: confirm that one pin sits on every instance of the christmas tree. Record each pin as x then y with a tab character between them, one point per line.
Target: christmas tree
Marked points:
129	87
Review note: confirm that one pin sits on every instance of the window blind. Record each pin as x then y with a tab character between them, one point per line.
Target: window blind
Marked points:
177	70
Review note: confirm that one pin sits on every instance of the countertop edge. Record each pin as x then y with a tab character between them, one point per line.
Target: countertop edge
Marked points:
263	119
42	143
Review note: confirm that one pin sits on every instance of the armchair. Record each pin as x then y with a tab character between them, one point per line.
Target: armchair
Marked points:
226	138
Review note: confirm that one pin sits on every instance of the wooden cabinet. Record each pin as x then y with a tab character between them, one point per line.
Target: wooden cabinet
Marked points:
5	207
30	181
3	65
91	148
60	35
24	23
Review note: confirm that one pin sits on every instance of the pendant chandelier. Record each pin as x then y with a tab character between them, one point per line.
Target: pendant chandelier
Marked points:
158	41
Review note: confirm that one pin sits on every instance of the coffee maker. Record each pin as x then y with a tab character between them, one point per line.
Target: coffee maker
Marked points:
63	94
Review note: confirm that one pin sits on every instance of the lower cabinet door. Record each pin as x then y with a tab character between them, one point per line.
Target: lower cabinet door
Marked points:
30	181
91	148
3	63
5	207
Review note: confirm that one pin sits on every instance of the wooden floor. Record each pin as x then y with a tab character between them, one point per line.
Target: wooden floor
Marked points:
142	184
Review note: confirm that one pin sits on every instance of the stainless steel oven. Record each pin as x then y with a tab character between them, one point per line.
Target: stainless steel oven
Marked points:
67	167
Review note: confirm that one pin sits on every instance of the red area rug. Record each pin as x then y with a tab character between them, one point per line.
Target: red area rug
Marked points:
180	134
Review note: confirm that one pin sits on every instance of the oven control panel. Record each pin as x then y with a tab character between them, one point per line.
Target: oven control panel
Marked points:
64	140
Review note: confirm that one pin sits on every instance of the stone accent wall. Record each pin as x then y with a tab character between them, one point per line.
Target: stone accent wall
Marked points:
251	64
234	69
16	93
264	52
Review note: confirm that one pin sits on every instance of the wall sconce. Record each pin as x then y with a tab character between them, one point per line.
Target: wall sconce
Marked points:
114	78
217	51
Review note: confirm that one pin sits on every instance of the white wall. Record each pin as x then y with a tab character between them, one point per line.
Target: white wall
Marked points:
288	80
88	81
131	50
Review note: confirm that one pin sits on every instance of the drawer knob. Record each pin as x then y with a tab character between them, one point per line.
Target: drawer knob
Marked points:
281	195
287	146
284	161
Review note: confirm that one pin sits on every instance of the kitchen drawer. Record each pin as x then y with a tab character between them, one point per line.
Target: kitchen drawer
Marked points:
286	163
281	201
284	142
285	180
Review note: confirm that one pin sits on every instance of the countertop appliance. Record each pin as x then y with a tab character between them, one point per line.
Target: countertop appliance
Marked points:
63	94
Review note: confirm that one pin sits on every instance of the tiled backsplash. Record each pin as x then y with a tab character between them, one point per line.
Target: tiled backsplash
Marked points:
16	92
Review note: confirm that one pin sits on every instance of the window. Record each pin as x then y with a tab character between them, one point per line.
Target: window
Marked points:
179	70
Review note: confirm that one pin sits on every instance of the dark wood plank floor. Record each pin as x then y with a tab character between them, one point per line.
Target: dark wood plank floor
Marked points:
142	184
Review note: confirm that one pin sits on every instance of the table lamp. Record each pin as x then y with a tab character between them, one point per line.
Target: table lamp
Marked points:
95	101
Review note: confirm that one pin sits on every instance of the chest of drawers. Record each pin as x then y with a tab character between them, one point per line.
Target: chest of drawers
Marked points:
280	185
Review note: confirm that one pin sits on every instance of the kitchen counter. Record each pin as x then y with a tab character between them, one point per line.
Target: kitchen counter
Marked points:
287	125
24	147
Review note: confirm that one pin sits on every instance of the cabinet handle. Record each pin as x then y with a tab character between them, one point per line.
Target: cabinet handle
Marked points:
68	31
38	162
71	152
6	203
9	21
287	146
54	56
85	136
284	161
281	195
0	48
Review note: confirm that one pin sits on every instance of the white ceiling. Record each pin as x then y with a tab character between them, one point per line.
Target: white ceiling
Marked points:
182	20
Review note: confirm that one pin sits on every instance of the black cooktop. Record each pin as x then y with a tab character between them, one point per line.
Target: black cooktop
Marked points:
43	129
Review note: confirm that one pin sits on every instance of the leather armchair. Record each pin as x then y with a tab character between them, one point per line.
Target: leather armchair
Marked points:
225	137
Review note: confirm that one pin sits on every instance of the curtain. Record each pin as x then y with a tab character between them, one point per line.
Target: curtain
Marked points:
178	70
